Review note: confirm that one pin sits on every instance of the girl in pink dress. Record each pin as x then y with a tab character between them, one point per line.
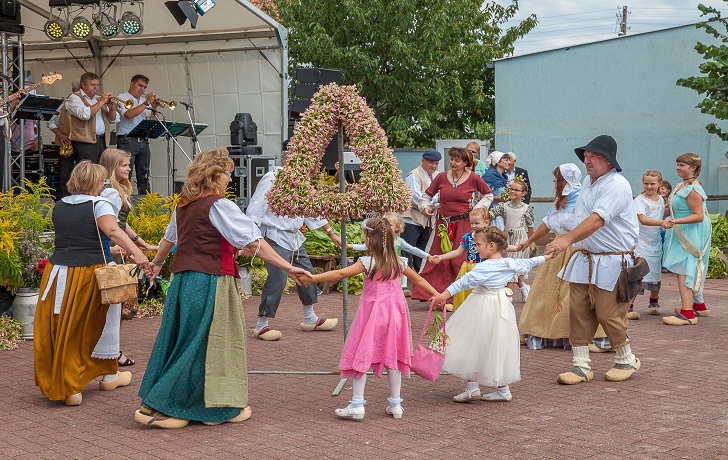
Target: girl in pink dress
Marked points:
380	333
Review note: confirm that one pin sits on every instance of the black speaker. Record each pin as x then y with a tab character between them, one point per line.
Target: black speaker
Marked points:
243	130
305	84
10	10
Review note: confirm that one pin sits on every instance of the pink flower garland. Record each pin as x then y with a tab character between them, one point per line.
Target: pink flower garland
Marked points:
380	189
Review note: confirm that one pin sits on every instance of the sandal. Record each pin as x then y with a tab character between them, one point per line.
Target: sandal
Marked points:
127	362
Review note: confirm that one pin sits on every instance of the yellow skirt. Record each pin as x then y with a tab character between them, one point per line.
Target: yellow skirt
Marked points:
63	343
460	297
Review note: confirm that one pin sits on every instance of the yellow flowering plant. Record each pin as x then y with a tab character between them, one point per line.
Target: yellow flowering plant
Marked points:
25	215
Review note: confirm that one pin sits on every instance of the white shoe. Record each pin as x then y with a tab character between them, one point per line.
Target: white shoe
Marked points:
524	291
395	411
468	395
357	413
498	396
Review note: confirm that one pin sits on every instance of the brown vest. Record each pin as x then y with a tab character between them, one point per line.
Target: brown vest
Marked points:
200	247
83	130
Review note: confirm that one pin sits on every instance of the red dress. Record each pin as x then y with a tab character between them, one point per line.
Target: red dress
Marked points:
453	203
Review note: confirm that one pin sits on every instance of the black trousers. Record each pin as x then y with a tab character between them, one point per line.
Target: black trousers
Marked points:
417	236
81	151
139	160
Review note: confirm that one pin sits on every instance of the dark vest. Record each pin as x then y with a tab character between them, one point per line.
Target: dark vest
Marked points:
77	243
200	247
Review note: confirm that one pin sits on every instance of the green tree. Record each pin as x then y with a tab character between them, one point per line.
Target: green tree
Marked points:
714	82
422	65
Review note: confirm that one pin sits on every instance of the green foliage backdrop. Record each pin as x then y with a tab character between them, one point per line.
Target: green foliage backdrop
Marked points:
422	65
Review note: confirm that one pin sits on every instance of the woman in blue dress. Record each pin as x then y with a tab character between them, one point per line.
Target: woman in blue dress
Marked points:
687	241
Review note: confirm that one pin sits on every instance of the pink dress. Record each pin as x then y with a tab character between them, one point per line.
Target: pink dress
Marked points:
380	333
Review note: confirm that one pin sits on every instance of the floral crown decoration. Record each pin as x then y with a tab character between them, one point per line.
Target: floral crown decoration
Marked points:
380	188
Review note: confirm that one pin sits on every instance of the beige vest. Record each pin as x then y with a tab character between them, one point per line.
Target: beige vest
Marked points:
83	130
414	212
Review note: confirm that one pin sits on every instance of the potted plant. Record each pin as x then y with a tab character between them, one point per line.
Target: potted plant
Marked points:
25	244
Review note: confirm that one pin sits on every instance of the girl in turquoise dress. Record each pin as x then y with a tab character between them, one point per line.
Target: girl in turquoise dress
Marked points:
687	240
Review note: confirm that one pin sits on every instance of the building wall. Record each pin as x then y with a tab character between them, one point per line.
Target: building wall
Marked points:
549	103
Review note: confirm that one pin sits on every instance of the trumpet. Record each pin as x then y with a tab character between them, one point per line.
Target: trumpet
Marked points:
164	104
125	103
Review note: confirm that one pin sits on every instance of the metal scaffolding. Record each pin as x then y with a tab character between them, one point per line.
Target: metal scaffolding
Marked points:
13	73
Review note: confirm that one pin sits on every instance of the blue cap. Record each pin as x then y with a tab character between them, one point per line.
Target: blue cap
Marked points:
432	155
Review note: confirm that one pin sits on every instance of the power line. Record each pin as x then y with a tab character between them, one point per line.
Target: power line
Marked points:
572	28
561	15
563	38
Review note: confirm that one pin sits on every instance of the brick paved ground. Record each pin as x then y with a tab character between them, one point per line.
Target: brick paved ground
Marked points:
674	407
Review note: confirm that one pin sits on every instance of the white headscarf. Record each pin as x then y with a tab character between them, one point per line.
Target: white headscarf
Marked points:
572	175
494	157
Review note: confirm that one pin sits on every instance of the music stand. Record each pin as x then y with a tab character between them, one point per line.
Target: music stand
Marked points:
149	129
185	129
36	108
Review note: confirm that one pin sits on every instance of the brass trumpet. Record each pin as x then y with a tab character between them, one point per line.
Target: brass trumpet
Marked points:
164	104
125	103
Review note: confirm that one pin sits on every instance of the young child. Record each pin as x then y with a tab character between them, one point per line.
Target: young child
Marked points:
479	218
380	333
650	208
518	220
399	244
664	191
483	345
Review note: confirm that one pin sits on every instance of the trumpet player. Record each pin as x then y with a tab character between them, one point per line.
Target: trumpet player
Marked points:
90	115
128	120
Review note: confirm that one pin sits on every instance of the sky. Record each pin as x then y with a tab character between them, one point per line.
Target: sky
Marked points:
569	22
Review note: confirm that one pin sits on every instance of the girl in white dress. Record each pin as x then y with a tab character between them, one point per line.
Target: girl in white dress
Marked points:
650	208
483	342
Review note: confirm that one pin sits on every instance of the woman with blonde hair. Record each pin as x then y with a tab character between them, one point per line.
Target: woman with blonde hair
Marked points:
117	189
197	369
70	316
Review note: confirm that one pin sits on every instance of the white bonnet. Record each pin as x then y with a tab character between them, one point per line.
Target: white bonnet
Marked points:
572	175
494	157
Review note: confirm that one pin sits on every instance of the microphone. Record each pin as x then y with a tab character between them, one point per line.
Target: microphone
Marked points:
189	106
153	110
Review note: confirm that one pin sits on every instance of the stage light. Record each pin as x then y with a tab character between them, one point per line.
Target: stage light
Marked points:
56	29
81	28
183	10
108	28
130	24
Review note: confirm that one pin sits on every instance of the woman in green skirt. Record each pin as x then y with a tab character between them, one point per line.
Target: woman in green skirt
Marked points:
197	369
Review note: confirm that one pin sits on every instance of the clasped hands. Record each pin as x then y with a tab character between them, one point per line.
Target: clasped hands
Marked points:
668	223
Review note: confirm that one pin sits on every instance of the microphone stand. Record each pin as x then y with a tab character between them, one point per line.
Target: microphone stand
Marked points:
174	139
193	131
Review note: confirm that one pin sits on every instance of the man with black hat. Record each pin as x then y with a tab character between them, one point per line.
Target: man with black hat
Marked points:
603	240
417	226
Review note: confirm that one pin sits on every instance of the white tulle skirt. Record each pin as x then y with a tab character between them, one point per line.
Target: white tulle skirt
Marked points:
483	343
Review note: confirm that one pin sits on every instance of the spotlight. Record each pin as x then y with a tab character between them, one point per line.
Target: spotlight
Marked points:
81	28
130	24
183	10
107	27
56	29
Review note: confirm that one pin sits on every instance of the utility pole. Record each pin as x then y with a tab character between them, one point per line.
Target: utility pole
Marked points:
622	21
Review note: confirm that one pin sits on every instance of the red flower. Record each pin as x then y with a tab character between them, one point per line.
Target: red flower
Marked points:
40	265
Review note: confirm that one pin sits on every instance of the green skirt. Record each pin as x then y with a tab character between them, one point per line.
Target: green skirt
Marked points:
197	369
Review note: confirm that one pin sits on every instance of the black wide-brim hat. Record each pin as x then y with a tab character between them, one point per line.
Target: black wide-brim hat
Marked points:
605	145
